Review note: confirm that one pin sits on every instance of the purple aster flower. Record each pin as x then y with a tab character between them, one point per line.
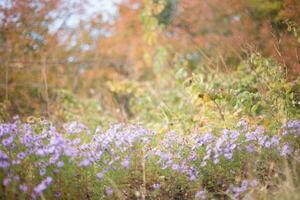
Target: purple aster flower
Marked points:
175	167
292	127
267	144
216	160
156	186
57	194
21	155
126	162
41	152
42	171
8	141
60	164
100	175
74	127
42	186
228	156
250	148
6	181
200	195
244	125
203	163
16	162
4	164
275	140
109	191
76	141
253	183
17	178
192	177
261	140
286	150
84	163
3	155
23	188
244	186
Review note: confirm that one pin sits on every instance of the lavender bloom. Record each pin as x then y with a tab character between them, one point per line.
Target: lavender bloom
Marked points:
267	144
6	129
253	183
57	194
250	148
21	155
74	127
200	195
244	186
8	141
156	186
286	150
4	164
275	140
84	163
292	127
41	152
60	164
16	162
23	188
109	191
244	125
257	134
42	186
6	181
126	162
100	175
42	172
76	141
228	156
17	178
192	177
3	156
175	167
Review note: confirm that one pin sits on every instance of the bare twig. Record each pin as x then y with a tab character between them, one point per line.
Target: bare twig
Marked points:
6	82
219	110
44	77
144	176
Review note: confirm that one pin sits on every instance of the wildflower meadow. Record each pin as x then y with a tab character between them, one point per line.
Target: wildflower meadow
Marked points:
150	99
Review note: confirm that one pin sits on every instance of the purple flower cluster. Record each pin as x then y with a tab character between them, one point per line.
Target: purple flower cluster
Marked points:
42	186
222	146
113	148
171	153
109	191
200	195
237	191
24	142
292	127
183	153
48	149
156	186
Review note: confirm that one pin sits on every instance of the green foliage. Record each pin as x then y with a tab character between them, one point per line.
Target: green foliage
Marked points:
294	29
256	90
168	12
3	112
270	11
88	111
266	9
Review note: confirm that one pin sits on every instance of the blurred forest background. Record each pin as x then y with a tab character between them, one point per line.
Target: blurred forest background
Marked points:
148	61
